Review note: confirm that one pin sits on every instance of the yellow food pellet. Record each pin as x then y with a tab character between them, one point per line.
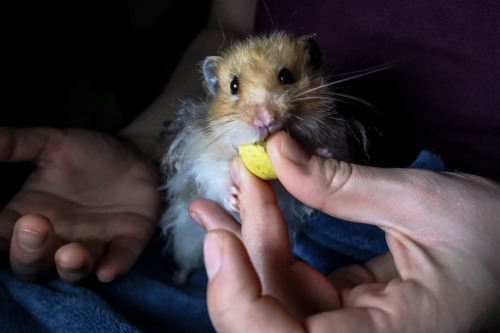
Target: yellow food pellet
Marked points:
254	155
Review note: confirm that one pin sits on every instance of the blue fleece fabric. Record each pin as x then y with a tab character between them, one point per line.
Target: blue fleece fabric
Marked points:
145	300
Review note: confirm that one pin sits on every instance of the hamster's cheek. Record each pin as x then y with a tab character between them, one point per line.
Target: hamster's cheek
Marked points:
238	132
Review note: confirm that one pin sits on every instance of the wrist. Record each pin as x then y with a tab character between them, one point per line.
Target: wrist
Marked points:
147	146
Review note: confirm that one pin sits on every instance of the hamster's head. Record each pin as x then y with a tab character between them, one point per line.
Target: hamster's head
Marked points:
263	84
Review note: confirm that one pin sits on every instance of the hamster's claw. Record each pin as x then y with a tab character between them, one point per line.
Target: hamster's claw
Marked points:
231	202
323	152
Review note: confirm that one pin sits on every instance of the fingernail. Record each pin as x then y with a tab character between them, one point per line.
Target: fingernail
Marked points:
235	171
76	270
29	240
291	150
194	216
212	254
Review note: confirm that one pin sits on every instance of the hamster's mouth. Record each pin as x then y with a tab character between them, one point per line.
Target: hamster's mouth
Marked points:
253	134
264	131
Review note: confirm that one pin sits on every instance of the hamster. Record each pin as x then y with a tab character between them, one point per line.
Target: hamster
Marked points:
255	87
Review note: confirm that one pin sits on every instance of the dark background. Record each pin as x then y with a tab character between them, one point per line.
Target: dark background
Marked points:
88	64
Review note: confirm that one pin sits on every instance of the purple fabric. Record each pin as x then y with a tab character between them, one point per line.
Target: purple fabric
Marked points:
442	92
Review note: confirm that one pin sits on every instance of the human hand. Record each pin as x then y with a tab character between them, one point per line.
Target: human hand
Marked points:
441	274
90	205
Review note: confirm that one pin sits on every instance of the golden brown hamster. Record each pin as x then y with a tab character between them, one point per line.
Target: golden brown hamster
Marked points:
255	87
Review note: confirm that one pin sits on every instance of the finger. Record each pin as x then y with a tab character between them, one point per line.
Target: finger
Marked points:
32	248
359	320
265	235
380	269
8	218
211	216
23	144
264	230
120	256
234	299
337	188
380	307
73	262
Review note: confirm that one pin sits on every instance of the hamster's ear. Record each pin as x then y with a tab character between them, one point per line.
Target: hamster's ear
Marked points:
315	58
209	75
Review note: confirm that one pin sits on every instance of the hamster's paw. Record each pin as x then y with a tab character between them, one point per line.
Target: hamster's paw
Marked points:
323	152
231	201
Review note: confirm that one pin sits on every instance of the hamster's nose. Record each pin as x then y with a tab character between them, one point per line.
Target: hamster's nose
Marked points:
264	120
262	117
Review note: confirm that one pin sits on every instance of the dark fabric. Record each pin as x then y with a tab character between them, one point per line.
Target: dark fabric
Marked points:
442	91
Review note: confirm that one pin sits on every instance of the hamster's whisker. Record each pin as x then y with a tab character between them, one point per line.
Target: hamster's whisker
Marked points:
316	129
214	128
361	72
319	120
358	74
356	99
227	115
352	75
322	98
313	89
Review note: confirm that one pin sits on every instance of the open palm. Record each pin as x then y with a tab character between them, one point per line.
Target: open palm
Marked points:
91	202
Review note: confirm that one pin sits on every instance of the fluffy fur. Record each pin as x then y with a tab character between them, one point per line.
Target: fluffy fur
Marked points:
256	87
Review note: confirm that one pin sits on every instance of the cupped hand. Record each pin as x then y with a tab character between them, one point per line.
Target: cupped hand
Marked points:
90	205
441	274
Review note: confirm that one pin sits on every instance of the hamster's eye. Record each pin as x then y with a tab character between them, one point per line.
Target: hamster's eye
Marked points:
285	76
235	85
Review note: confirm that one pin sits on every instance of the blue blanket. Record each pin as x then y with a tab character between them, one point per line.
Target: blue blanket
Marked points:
145	300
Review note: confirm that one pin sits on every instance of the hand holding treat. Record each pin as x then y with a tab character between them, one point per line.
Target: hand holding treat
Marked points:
441	228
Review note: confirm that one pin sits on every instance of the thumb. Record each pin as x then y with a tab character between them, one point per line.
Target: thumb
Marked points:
417	203
23	144
344	190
